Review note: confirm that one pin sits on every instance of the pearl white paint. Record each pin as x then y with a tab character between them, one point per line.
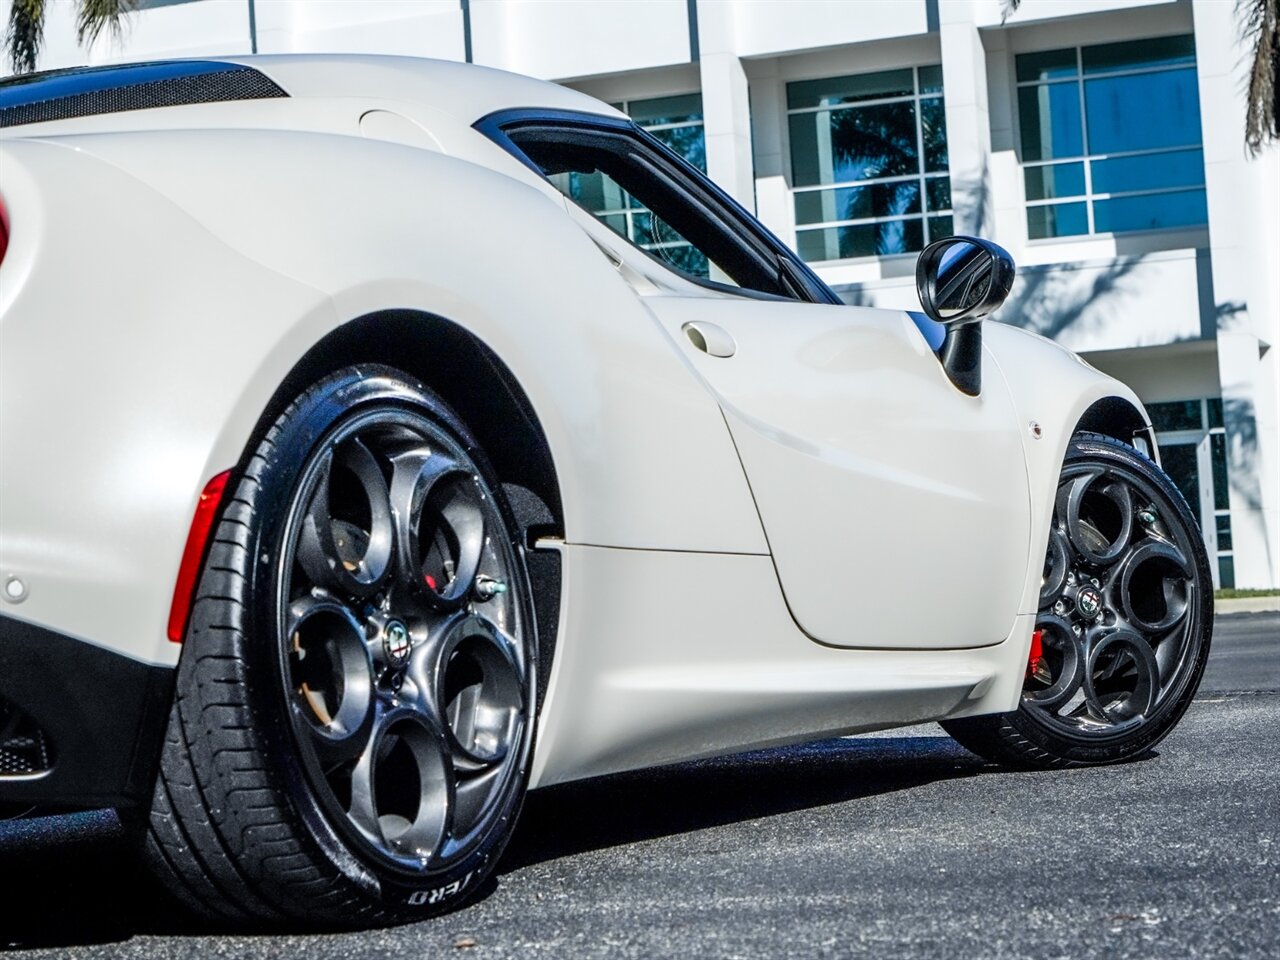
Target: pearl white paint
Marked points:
717	519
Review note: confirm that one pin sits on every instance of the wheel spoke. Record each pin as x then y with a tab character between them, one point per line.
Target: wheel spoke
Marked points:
478	687
347	532
1098	516
1121	678
1154	586
1057	564
439	516
402	787
330	677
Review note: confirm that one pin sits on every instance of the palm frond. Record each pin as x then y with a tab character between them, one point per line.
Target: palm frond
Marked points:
94	16
1260	24
24	34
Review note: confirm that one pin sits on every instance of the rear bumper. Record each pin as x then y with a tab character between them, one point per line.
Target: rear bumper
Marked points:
80	726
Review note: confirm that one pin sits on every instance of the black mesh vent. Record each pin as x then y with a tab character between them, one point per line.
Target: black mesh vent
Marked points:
39	102
23	749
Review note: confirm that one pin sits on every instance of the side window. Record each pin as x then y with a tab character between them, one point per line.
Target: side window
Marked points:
631	185
612	205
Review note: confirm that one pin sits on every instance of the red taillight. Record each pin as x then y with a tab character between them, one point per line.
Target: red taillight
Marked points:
197	541
4	230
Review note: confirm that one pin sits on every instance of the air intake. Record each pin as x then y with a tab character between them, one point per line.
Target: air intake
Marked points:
88	91
24	751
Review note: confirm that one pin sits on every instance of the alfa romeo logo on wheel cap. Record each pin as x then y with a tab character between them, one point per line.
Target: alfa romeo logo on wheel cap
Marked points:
396	642
1089	603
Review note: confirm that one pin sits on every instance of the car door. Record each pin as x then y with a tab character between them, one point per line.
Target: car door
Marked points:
895	506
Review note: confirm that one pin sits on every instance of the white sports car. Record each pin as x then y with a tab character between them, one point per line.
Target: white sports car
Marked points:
382	438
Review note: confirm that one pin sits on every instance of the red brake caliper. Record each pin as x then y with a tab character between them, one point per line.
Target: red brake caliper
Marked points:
1037	653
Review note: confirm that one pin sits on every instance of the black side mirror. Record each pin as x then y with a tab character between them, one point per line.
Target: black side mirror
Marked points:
960	280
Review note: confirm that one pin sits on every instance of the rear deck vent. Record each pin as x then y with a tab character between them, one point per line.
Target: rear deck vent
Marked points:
85	92
24	751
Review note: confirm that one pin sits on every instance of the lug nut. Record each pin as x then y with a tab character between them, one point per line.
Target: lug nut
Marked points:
1146	517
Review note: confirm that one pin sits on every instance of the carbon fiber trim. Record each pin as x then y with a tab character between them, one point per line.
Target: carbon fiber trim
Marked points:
62	95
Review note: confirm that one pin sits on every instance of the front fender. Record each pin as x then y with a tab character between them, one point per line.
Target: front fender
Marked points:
1053	390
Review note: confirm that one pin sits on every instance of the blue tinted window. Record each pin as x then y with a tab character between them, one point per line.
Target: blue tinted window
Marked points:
1047	65
869	148
861	240
1057	220
1056	180
1050	117
857	143
1125	114
1183	168
686	108
1139	54
859	203
1151	211
1143	111
838	90
939	193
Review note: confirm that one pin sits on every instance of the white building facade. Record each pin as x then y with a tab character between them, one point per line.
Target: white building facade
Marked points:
1099	141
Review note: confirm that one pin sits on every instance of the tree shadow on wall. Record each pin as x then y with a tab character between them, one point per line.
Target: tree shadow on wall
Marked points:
1053	301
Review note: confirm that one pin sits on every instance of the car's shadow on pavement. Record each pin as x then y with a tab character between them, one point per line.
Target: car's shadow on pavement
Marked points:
76	883
625	808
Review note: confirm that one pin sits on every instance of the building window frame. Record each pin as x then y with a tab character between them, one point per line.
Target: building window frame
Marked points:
1087	156
1208	435
921	177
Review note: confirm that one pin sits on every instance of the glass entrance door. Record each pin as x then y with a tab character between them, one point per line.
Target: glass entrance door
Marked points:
1193	452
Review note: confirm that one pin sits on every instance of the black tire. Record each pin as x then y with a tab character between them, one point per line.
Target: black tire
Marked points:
1125	622
379	782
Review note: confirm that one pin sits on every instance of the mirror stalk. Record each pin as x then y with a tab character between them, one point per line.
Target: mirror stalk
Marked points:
961	356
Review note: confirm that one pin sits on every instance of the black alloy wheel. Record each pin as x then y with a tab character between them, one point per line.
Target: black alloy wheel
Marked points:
1125	620
353	726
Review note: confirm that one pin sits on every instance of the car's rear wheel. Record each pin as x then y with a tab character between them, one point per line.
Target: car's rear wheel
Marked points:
350	738
1126	615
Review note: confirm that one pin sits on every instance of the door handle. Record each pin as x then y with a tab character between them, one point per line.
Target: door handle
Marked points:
710	339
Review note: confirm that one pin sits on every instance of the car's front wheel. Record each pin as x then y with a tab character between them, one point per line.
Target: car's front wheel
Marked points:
350	738
1126	615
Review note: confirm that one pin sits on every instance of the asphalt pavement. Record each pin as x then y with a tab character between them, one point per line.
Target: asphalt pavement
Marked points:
897	844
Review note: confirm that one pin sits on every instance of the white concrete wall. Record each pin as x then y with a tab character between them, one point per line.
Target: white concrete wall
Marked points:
1243	212
769	29
562	39
424	28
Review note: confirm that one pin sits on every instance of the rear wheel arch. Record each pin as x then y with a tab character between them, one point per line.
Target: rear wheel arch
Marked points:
462	370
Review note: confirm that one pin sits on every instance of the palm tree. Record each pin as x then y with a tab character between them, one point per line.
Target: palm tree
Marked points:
1259	25
1260	19
26	27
